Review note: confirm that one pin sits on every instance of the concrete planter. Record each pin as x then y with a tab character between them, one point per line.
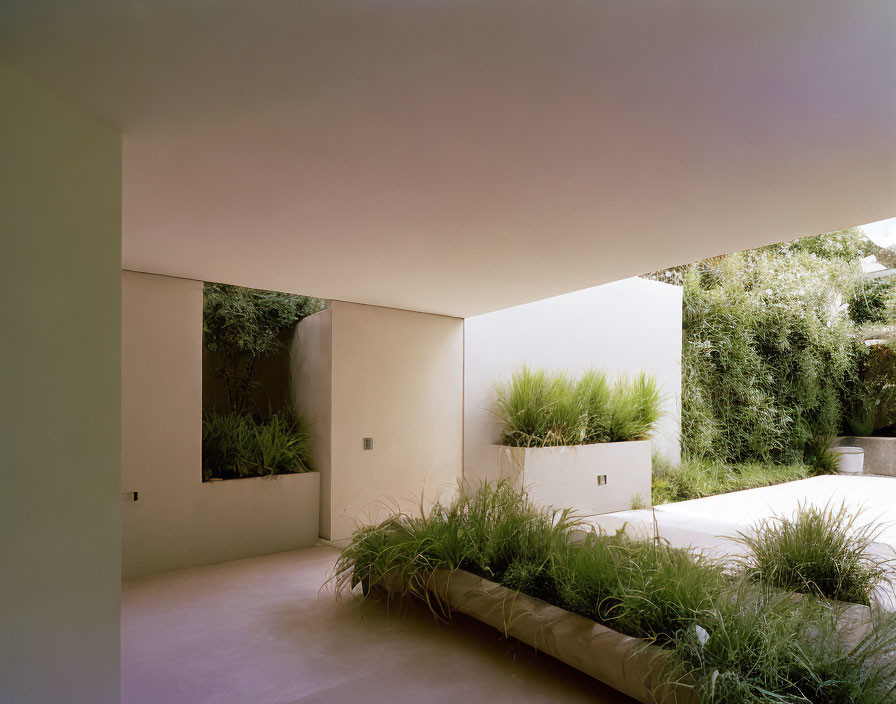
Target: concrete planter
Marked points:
592	479
630	665
219	521
880	453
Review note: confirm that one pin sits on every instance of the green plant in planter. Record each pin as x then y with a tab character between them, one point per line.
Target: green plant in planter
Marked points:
821	551
734	640
538	409
241	327
634	408
235	446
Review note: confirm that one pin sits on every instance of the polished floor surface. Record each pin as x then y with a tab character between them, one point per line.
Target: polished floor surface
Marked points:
262	630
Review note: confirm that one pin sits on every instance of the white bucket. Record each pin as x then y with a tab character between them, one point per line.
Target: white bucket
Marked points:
851	459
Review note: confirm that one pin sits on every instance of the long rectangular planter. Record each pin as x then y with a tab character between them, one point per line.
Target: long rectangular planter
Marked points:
591	479
630	665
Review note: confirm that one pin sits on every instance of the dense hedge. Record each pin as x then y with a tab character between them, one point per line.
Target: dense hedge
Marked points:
769	350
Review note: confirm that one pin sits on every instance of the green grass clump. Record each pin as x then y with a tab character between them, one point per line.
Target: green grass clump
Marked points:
823	551
695	478
494	532
236	445
641	588
759	646
538	409
735	638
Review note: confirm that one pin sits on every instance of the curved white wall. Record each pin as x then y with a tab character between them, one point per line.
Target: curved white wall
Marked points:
397	377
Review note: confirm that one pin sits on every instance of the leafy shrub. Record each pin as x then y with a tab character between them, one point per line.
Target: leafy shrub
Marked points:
733	639
872	301
538	409
818	551
820	455
237	445
871	397
242	325
766	351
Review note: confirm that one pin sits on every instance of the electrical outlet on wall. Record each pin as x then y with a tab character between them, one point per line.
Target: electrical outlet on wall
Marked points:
368	443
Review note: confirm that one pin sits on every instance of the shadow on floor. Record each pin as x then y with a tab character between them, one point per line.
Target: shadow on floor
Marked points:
263	630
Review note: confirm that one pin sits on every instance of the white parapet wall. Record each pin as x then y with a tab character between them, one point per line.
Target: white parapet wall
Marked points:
178	521
591	479
627	326
396	377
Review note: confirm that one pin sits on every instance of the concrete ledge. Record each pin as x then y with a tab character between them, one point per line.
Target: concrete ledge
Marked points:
568	476
219	521
630	665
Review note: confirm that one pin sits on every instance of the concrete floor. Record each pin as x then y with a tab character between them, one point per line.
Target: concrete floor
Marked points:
262	630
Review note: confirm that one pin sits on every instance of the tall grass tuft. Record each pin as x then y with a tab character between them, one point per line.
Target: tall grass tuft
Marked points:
236	445
759	646
819	550
538	409
493	531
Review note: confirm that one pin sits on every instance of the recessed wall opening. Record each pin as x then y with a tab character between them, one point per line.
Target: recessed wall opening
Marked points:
250	427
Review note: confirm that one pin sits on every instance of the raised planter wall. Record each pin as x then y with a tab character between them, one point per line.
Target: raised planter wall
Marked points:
573	476
880	453
629	665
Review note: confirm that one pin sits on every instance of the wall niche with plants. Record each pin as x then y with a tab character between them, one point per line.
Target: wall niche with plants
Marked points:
250	427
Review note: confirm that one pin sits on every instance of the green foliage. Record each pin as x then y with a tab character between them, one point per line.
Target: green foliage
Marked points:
761	646
872	301
494	532
695	478
236	445
871	397
734	639
766	350
820	456
536	408
817	551
242	325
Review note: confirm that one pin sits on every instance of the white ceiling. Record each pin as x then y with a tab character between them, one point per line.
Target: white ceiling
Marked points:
460	156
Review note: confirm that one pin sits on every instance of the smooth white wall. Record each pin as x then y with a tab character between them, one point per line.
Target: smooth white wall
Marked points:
60	224
179	520
623	327
311	374
397	377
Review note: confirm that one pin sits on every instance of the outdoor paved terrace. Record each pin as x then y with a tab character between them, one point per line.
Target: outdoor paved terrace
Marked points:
263	630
